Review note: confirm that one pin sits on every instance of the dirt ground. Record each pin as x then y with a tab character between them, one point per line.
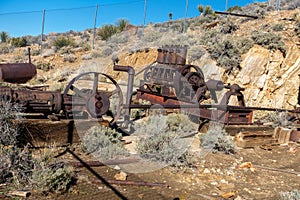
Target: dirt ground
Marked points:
254	173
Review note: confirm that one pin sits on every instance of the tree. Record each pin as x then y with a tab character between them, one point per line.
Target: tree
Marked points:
4	36
200	9
205	10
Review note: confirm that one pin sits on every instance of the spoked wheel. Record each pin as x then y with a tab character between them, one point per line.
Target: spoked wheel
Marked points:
93	95
187	81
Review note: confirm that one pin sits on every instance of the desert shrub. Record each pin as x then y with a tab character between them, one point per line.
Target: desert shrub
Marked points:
106	51
9	128
235	8
121	24
50	175
217	139
162	139
278	27
63	41
45	66
4	37
228	27
151	36
256	9
15	165
4	48
269	41
195	53
292	195
289	4
69	58
119	39
227	50
19	42
104	142
277	119
106	31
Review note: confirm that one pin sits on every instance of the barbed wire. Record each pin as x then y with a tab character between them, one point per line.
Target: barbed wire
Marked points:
68	9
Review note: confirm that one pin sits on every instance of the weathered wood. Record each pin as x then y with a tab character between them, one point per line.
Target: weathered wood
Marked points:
20	193
41	133
252	139
282	134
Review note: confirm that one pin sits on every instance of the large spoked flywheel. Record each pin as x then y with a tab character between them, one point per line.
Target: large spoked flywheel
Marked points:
93	95
187	81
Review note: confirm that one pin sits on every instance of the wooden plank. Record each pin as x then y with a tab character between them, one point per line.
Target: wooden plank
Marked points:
252	139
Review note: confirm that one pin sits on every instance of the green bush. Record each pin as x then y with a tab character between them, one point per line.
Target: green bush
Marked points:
205	10
4	36
62	41
50	175
19	42
121	24
106	31
269	41
226	50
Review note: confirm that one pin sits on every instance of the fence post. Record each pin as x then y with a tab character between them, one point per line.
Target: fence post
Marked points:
145	10
43	25
186	10
95	22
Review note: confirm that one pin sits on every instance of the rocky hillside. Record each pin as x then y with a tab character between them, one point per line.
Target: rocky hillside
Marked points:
261	54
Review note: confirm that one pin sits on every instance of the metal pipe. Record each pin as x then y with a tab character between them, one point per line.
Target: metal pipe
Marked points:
95	163
133	183
236	14
131	74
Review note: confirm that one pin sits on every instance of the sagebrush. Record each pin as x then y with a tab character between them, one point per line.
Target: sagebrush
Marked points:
163	139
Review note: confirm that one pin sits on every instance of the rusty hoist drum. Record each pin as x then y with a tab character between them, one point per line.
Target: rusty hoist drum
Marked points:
17	72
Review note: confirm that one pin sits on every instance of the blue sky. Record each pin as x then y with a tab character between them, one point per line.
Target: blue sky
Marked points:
24	17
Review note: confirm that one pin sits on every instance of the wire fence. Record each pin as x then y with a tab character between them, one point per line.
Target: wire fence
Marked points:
77	19
137	12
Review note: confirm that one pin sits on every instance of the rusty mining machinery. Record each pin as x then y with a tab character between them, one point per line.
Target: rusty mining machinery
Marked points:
168	82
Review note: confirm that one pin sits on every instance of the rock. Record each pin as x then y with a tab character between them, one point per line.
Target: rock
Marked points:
228	195
117	167
122	176
226	187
